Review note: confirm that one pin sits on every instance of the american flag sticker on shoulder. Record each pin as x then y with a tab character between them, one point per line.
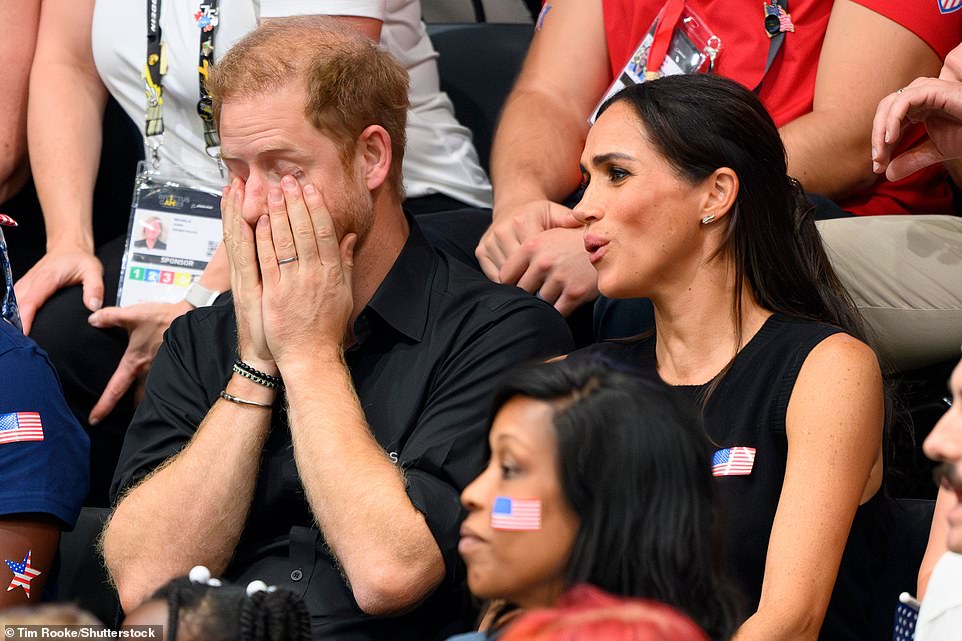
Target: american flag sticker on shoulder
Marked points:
16	427
733	461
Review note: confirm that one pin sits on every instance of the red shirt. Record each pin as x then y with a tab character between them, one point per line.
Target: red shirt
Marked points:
789	87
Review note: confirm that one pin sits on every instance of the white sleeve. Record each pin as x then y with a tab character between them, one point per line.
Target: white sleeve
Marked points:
363	8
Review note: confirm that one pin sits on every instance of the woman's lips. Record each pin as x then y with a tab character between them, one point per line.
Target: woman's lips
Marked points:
469	541
596	247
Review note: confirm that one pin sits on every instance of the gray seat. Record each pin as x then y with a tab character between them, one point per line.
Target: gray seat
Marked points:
478	64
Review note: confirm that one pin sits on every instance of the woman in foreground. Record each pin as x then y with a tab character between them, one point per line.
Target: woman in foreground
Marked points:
599	477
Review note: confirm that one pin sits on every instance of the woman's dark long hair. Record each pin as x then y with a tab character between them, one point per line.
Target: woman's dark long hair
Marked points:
635	466
702	122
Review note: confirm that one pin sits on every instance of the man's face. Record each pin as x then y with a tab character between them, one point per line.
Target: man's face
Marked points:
944	444
267	137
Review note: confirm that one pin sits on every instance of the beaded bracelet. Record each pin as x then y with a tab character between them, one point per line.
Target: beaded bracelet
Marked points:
259	377
242	401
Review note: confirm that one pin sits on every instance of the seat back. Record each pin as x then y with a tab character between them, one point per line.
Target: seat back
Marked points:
83	576
911	520
478	64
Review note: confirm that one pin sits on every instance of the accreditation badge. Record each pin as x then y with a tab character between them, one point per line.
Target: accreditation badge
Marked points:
174	229
677	42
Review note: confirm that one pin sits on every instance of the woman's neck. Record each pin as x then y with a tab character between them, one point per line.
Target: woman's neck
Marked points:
697	333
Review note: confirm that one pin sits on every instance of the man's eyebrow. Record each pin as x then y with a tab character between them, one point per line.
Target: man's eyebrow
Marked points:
274	150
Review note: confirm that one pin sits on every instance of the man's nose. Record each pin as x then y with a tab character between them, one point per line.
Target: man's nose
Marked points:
944	442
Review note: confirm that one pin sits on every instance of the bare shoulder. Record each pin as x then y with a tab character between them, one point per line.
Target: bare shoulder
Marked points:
839	386
841	356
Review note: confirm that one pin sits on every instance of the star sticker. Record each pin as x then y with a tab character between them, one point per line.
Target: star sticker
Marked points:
22	573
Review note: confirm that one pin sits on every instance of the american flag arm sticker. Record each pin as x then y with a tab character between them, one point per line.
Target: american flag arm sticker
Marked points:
733	461
22	573
516	514
16	427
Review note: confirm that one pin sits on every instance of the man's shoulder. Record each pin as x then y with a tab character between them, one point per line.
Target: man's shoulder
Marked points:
206	330
466	285
466	306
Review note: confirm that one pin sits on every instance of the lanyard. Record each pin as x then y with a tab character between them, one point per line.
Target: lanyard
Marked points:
156	67
777	22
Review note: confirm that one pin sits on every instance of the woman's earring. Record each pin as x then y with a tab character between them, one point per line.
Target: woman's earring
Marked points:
705	220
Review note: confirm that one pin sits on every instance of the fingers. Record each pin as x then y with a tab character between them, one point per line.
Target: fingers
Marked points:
510	230
93	287
266	256
919	157
124	376
488	266
887	130
560	216
325	236
301	221
112	317
280	224
27	314
239	238
517	270
31	295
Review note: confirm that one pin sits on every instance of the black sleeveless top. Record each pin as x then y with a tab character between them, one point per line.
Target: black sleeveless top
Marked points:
747	410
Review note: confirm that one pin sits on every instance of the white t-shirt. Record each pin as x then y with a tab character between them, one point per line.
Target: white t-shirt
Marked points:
940	617
439	157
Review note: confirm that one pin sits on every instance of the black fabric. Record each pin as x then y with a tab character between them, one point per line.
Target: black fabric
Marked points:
432	343
747	409
85	358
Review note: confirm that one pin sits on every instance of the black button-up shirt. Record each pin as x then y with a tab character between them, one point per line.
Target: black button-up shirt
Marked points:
431	345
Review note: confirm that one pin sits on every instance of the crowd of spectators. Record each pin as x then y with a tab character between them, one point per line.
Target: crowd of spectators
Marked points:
369	438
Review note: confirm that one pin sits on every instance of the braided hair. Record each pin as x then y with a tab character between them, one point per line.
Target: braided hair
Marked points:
227	613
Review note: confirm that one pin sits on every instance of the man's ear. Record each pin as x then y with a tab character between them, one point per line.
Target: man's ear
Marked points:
721	191
374	155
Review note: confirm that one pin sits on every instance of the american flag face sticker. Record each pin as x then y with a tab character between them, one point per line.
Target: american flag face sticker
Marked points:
733	461
516	514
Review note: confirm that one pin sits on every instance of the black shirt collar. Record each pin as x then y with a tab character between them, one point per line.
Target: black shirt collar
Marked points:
402	300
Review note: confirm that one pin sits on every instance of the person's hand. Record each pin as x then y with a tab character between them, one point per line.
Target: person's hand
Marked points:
555	266
308	302
538	247
245	280
145	325
934	102
511	227
56	270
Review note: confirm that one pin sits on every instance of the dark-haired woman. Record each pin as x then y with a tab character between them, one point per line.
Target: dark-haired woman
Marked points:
688	203
599	477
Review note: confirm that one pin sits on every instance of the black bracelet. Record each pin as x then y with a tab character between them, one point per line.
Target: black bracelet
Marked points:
259	377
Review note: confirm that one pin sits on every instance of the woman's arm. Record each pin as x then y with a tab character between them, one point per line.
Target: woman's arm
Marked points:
834	427
64	125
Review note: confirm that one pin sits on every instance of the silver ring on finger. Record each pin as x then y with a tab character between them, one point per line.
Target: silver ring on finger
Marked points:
286	261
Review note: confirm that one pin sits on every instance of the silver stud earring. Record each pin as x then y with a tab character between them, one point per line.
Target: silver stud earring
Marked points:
705	220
